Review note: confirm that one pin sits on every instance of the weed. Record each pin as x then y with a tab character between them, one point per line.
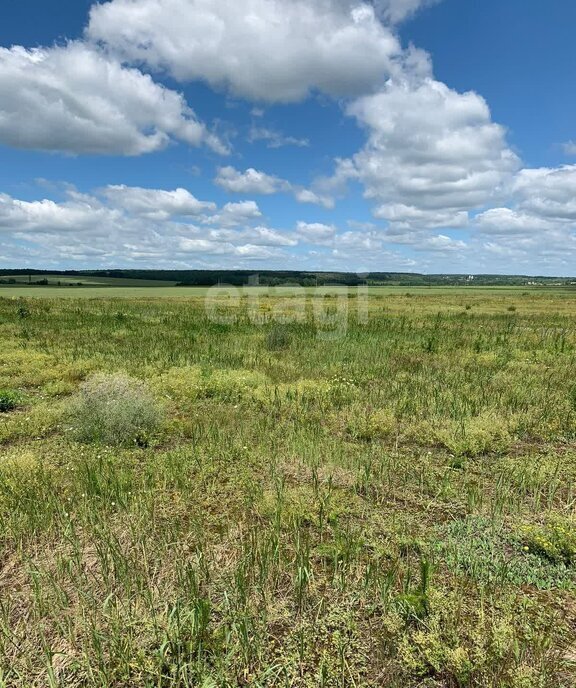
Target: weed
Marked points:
278	339
555	541
9	400
116	410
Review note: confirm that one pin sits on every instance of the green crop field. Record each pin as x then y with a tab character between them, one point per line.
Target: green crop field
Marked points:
149	289
303	489
61	281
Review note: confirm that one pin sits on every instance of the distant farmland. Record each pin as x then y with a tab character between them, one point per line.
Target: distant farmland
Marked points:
78	281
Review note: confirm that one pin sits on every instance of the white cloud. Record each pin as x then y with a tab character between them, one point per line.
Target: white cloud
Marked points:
47	216
217	248
309	196
364	242
269	50
402	216
539	227
548	193
432	154
274	138
552	251
424	241
250	181
508	222
234	214
118	225
157	204
100	230
77	100
569	148
263	236
316	233
253	181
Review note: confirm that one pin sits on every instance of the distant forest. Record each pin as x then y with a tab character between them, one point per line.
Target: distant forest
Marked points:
208	278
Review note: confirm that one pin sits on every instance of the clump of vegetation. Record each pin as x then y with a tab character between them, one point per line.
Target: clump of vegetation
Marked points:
491	553
368	425
278	339
116	410
9	400
23	312
554	541
415	604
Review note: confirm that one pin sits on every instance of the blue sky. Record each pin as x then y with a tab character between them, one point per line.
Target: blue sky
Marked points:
316	134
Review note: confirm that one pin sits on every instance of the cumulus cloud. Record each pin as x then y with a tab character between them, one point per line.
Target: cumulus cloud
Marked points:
432	154
218	248
268	50
250	181
253	181
113	228
425	241
538	225
433	160
509	222
234	214
75	99
157	204
548	192
309	196
263	236
47	216
316	233
536	231
120	224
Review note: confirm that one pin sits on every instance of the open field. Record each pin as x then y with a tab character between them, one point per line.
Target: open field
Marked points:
142	289
61	281
379	492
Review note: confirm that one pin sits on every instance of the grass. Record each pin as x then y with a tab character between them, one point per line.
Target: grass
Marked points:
391	507
93	288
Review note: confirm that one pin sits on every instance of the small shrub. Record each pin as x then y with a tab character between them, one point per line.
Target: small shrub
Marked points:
9	400
511	309
115	409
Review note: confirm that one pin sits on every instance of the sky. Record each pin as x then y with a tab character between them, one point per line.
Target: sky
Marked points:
434	136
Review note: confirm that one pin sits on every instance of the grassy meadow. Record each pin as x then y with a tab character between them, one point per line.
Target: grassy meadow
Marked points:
349	490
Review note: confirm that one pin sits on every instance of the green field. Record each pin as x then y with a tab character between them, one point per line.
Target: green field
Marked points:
343	491
150	290
74	282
